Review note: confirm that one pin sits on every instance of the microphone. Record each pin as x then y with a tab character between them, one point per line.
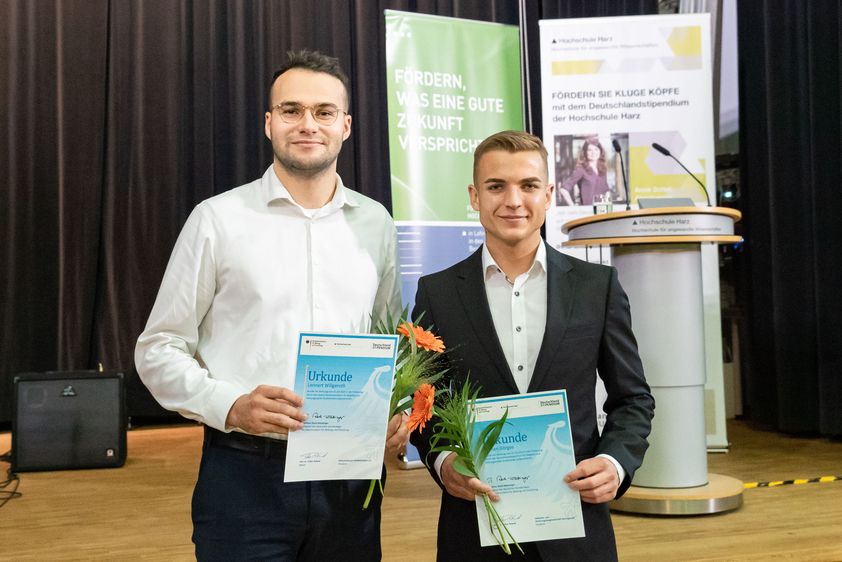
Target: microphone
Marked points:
619	152
666	152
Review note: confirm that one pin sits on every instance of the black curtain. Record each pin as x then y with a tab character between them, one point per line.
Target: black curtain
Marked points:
791	144
53	68
119	116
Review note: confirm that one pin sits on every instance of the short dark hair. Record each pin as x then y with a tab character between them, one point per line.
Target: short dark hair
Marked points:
510	141
313	61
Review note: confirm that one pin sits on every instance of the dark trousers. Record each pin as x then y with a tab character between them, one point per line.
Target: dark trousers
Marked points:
243	509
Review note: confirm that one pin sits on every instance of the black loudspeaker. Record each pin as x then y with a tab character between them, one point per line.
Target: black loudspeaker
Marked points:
64	420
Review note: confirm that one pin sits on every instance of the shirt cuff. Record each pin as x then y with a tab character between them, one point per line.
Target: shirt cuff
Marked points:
620	472
220	403
440	460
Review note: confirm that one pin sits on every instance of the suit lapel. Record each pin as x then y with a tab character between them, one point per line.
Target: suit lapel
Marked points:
471	289
560	291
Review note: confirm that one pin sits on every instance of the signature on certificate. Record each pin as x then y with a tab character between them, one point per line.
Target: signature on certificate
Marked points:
334	417
513	478
313	455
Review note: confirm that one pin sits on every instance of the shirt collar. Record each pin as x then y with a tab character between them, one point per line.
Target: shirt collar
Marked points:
273	190
490	267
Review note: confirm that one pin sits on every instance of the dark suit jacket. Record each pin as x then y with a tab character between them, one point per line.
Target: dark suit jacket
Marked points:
588	328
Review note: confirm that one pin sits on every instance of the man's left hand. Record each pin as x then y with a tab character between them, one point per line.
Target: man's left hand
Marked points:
595	479
397	435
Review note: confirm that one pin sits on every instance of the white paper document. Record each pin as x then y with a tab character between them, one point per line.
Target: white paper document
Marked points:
346	382
527	466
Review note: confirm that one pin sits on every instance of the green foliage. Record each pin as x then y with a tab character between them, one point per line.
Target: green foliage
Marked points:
413	367
455	433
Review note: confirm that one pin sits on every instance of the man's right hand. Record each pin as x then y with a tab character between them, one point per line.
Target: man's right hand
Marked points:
463	486
267	409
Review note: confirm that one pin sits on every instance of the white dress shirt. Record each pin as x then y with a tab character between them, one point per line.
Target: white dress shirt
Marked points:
249	271
519	312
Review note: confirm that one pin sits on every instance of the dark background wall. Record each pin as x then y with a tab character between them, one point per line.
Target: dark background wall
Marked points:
119	116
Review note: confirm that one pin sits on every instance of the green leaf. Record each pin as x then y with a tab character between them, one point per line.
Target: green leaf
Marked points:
460	467
452	448
405	405
489	438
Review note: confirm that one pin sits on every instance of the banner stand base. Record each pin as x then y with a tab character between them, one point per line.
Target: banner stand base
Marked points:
721	493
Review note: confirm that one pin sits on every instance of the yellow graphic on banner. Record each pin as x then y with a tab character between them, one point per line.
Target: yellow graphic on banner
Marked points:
645	183
686	41
564	67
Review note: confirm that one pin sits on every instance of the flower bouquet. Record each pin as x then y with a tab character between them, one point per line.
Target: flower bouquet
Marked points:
455	433
416	371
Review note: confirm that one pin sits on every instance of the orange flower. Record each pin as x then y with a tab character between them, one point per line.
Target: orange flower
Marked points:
422	407
423	338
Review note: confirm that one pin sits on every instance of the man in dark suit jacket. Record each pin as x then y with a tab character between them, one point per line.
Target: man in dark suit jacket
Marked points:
518	316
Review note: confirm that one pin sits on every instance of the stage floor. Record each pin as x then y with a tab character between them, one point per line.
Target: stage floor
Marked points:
142	511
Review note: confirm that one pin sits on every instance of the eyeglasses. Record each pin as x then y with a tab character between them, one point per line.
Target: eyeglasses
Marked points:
323	113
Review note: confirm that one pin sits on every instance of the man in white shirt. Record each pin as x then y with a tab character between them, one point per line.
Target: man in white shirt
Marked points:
518	316
293	251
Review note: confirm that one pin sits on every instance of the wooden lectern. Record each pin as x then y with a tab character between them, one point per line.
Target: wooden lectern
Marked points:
657	253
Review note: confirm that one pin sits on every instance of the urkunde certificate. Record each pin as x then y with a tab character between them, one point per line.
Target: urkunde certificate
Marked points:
527	466
346	382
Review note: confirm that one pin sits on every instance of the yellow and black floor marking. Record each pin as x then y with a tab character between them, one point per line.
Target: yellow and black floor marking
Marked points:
820	479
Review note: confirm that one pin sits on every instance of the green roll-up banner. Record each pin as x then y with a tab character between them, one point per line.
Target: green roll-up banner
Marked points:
451	83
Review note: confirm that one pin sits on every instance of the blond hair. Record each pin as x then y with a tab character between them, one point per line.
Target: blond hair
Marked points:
510	141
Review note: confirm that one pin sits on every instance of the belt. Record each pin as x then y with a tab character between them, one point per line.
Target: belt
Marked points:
268	448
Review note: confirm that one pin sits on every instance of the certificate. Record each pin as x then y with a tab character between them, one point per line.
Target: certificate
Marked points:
527	466
346	382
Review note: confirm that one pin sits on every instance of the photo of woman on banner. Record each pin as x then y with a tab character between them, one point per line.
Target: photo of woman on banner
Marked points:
586	180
